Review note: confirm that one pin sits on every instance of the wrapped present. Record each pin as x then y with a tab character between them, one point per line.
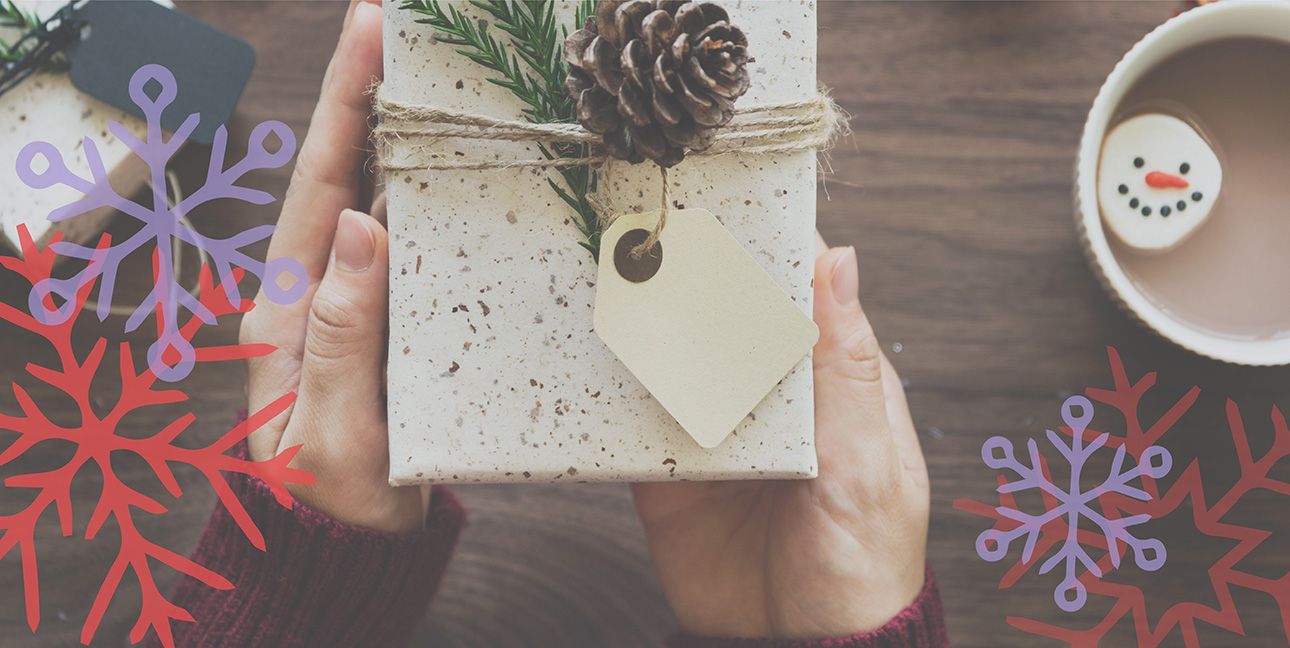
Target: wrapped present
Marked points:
496	372
47	107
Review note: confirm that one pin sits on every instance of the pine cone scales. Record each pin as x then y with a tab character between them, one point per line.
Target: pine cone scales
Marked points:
655	77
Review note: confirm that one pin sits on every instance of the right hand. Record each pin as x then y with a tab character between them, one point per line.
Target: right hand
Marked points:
829	557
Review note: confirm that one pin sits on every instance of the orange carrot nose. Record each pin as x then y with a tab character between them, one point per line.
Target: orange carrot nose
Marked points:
1160	180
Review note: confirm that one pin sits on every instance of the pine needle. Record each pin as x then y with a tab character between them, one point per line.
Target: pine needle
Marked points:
14	18
530	64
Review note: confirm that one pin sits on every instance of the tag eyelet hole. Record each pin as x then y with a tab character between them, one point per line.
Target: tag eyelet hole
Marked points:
637	270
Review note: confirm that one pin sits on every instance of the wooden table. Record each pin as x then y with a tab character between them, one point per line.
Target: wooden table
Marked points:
956	191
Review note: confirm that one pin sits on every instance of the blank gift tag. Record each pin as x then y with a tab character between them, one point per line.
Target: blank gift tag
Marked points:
211	66
697	320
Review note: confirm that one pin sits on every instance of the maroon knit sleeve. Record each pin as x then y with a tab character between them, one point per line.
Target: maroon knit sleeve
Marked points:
320	583
921	625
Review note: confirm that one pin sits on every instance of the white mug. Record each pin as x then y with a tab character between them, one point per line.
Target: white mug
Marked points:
1226	19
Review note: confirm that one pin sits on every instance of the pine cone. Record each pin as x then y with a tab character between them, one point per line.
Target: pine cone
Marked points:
655	77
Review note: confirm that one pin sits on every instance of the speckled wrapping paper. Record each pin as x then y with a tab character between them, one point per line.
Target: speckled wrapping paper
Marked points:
46	107
495	373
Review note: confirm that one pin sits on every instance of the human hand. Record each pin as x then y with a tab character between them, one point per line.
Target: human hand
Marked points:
829	557
331	343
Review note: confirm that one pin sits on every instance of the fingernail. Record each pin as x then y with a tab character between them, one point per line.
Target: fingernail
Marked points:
355	7
354	248
846	279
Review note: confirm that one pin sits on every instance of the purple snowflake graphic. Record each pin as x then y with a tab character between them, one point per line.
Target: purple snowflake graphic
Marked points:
161	222
1073	504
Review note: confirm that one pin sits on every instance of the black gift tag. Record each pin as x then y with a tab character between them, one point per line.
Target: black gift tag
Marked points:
121	36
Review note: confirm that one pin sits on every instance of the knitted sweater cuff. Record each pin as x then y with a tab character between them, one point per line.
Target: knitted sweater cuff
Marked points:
921	625
319	582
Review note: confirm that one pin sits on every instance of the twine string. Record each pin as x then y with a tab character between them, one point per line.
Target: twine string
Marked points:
601	201
605	211
406	134
652	239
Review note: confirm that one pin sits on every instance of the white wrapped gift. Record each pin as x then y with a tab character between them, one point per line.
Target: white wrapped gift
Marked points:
495	371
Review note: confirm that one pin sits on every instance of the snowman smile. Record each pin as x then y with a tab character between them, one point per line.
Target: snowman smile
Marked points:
1163	181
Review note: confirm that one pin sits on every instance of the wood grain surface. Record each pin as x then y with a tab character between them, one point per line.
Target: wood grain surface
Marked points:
956	191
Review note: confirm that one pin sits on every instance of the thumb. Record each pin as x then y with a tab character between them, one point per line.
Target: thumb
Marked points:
852	429
340	383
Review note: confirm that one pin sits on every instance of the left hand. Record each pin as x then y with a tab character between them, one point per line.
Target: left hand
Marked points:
331	343
829	557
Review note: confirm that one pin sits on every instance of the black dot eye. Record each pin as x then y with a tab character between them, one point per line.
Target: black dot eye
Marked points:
1184	168
1146	211
1138	162
1124	189
1197	196
1165	211
1133	204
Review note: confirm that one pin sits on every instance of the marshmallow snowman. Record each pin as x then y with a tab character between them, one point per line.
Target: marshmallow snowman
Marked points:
1157	181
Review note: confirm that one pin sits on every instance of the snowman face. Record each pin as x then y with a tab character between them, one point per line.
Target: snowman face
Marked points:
1157	181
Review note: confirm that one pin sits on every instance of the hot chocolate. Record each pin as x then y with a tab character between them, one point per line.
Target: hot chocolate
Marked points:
1232	277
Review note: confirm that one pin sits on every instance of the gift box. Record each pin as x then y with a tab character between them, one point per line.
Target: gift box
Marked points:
495	371
47	107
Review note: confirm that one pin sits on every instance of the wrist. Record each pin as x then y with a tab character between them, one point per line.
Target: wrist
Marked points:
370	504
315	581
824	600
921	624
384	508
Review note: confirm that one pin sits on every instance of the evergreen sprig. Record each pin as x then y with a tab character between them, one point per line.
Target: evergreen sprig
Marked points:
531	65
13	17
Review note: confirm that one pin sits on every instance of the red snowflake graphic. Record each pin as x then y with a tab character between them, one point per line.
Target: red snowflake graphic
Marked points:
96	438
1129	600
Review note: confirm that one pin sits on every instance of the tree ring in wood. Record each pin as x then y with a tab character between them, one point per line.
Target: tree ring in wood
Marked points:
637	270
